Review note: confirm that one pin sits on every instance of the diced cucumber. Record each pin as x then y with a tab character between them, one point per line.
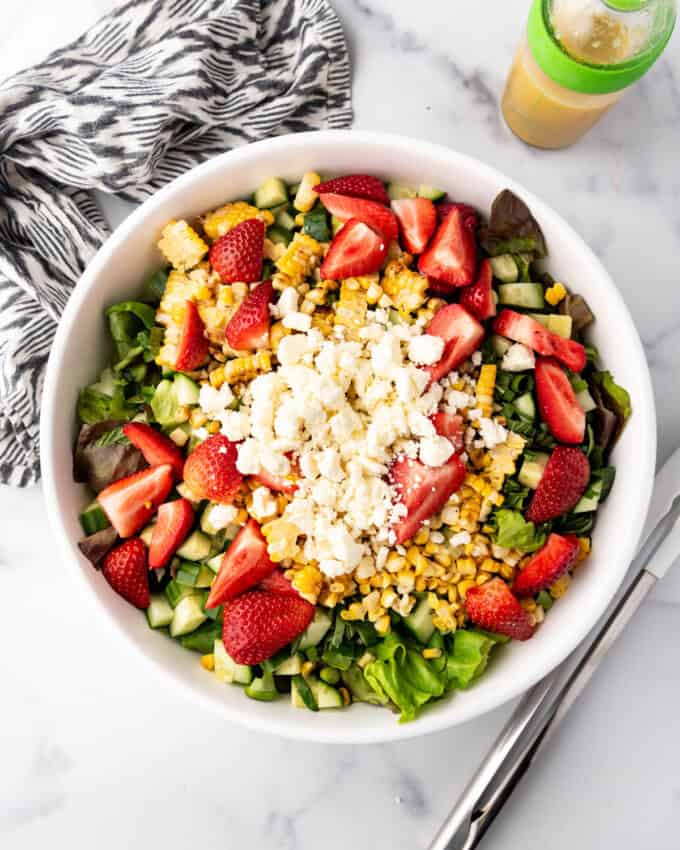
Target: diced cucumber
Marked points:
227	670
93	519
526	406
586	401
188	615
399	190
555	322
336	225
284	219
279	235
262	688
186	390
316	630
196	547
590	500
159	613
532	470
361	691
430	192
186	493
164	404
147	533
272	193
290	666
545	600
301	695
527	295
215	563
316	224
187	574
505	268
419	621
203	638
500	344
175	592
205	577
326	696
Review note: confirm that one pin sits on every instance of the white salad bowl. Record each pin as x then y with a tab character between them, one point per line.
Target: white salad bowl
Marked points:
118	271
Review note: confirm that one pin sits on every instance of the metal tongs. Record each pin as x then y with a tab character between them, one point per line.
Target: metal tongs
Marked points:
541	710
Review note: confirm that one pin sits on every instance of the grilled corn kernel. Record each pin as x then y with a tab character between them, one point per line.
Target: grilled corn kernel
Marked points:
464	586
307	668
422	536
306	197
405	288
245	368
432	652
382	624
485	388
560	587
182	247
208	661
555	294
222	220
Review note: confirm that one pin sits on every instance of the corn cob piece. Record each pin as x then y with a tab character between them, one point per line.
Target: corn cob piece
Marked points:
406	288
485	387
299	261
350	309
181	246
306	196
222	220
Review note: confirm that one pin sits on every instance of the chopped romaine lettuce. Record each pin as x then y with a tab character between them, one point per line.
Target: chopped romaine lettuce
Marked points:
468	657
514	532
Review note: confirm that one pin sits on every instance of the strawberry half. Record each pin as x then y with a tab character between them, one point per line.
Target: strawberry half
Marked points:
417	219
423	490
125	570
130	502
469	214
173	523
547	565
249	326
259	624
450	259
355	250
531	333
376	216
156	447
564	480
356	186
210	470
193	347
557	402
492	606
462	334
478	298
279	483
245	563
449	425
237	256
277	583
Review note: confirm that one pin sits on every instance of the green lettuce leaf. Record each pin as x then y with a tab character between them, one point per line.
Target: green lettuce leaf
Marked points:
616	397
155	287
126	320
512	229
401	674
514	532
469	656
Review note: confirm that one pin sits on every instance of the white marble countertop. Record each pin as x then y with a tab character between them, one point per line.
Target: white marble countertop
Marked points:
93	754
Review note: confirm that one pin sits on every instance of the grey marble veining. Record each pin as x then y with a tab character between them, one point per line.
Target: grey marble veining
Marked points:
94	752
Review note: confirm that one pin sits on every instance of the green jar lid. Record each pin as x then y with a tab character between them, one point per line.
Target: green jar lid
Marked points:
581	76
626	5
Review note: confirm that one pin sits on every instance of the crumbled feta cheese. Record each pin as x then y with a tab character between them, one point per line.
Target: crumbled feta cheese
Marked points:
213	401
297	321
248	457
287	303
434	451
458	400
425	349
518	358
291	349
263	504
333	568
235	425
220	516
492	433
420	424
328	462
476	358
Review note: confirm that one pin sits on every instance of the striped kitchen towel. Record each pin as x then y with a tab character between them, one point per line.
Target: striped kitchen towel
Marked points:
151	90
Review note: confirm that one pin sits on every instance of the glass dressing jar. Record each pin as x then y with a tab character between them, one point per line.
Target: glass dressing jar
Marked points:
576	61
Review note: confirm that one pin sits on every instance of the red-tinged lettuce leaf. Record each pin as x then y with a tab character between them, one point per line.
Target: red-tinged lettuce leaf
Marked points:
103	455
96	546
577	307
512	229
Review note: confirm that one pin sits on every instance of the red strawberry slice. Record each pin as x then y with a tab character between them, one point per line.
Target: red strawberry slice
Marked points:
417	219
531	333
210	470
470	217
237	256
125	570
245	563
462	334
156	447
355	250
356	186
376	216
478	298
193	347
423	490
492	606
562	484
279	483
130	502
173	523
557	402
277	583
449	425
450	259
259	624
547	565
249	326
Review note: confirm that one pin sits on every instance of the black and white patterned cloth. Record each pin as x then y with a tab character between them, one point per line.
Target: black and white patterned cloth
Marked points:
151	90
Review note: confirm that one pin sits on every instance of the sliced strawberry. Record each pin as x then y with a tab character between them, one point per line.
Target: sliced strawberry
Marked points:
478	298
450	259
173	523
376	216
210	470
156	447
245	563
356	186
125	570
492	606
423	490
249	326
417	220
449	425
279	483
130	502
531	333
564	481
192	350
462	334
470	216
277	583
547	565
259	624
557	402
355	250
237	256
